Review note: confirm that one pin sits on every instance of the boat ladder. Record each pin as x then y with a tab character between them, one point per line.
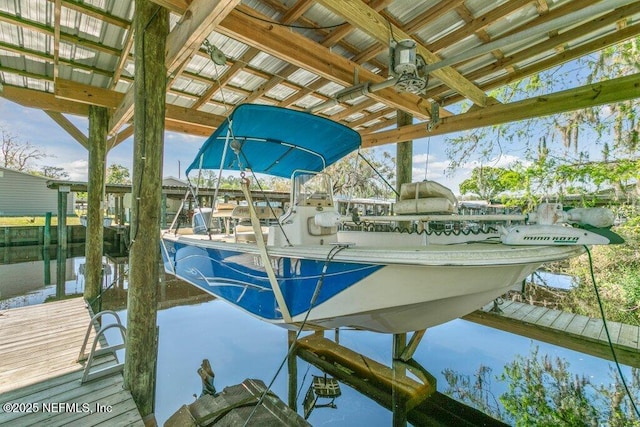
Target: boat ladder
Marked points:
104	349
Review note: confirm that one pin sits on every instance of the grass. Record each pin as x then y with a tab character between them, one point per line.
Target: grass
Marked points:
19	221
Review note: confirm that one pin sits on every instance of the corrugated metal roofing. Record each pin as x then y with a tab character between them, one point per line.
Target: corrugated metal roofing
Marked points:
94	43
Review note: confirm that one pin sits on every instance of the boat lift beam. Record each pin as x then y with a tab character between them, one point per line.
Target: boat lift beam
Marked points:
412	345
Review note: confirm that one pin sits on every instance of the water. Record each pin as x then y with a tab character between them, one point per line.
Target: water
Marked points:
239	346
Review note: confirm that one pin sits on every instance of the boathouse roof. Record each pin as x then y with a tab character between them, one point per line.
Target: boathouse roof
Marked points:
60	56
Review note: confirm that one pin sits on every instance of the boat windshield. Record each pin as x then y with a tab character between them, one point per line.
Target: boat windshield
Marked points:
312	189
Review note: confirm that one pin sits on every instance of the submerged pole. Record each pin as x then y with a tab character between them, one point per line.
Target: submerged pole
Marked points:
98	124
151	23
292	368
398	403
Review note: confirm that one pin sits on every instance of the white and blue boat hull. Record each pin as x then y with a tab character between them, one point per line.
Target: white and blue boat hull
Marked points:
364	288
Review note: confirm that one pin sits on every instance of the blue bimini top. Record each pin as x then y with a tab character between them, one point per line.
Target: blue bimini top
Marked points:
276	141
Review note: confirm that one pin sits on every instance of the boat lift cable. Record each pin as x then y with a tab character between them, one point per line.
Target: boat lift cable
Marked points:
332	253
606	330
355	171
379	174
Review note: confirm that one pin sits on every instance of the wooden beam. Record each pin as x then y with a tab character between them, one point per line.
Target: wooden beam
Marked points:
296	11
607	92
71	129
304	53
120	137
87	9
42	101
175	6
192	116
92	95
124	56
376	26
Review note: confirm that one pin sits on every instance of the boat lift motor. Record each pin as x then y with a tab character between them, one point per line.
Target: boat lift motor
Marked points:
406	66
553	226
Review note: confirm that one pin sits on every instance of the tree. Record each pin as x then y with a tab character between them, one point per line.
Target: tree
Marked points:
118	174
17	155
487	182
575	149
53	172
541	391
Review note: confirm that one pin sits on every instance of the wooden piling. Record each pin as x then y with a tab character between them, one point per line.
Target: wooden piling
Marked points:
404	152
98	128
404	158
151	24
61	256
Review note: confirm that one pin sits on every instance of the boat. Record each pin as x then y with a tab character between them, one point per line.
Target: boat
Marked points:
307	266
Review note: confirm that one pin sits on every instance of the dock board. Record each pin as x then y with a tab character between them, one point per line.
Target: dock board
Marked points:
40	377
573	331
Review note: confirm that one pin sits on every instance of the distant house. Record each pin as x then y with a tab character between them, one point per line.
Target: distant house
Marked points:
23	194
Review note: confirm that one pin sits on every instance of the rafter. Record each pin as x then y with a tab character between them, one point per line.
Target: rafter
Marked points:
68	38
551	43
184	41
96	13
296	11
56	37
300	51
371	22
228	75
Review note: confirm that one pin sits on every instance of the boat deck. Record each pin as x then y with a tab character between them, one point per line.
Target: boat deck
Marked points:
39	346
569	330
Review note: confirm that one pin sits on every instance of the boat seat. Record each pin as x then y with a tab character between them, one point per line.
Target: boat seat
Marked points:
243	230
244	233
425	197
262	212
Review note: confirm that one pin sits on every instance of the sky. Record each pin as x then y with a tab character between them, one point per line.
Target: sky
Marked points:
34	126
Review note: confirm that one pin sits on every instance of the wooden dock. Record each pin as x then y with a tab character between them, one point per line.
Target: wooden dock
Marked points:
569	330
41	379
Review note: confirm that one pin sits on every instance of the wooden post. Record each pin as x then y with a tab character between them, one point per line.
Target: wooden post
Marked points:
404	158
98	128
151	24
47	230
404	152
61	257
163	212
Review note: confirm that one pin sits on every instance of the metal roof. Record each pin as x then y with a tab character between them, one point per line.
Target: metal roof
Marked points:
67	47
